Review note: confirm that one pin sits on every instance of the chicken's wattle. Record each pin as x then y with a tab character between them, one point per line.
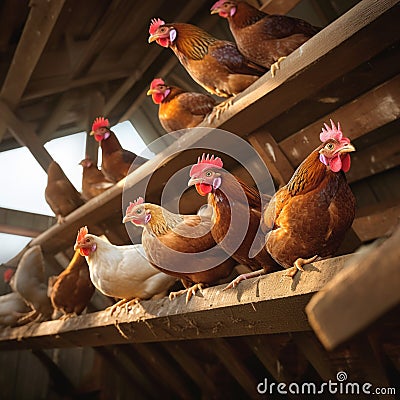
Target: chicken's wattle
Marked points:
203	188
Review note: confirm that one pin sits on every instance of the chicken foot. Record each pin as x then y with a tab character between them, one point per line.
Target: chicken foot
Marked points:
275	66
243	277
123	302
191	291
298	265
219	109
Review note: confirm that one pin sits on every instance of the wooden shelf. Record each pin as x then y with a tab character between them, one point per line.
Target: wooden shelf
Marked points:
270	304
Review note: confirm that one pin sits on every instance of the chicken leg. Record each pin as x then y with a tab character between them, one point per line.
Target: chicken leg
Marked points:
275	66
298	265
243	277
119	304
219	109
191	291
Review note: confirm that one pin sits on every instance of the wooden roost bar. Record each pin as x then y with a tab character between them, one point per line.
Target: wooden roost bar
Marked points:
340	315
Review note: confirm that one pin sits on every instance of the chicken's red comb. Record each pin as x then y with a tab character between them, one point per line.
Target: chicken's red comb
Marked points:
332	132
8	274
211	161
138	201
155	24
100	122
155	82
219	3
82	233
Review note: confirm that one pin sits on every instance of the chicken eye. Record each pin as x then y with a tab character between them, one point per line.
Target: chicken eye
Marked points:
208	174
139	211
329	146
87	240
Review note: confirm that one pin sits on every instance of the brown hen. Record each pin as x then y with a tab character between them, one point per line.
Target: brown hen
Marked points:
262	38
60	194
180	245
116	161
237	213
308	218
179	109
72	289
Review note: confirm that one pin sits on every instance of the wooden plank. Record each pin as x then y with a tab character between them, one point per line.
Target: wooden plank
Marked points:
375	158
160	365
363	32
328	311
378	222
25	135
192	367
370	111
275	160
17	222
234	365
270	304
38	27
279	6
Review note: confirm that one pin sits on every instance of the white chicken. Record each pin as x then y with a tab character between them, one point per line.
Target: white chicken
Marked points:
12	308
30	282
121	271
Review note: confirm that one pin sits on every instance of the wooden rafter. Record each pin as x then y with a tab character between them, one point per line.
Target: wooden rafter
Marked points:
37	30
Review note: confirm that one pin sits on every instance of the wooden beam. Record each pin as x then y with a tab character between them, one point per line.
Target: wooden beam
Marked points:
275	160
279	6
113	18
270	304
377	221
376	158
25	135
363	32
372	278
52	122
37	30
226	354
23	223
370	111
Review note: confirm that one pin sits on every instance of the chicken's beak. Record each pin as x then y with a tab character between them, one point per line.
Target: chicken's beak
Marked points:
214	11
91	133
194	181
150	92
152	38
126	219
347	148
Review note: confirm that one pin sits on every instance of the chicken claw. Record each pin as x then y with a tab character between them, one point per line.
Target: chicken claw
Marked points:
126	302
275	66
243	277
219	109
189	292
60	219
298	265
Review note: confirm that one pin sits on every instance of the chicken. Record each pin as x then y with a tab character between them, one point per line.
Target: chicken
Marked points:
60	194
236	229
116	161
72	289
12	309
121	271
308	218
179	109
93	180
30	282
214	64
180	245
262	38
